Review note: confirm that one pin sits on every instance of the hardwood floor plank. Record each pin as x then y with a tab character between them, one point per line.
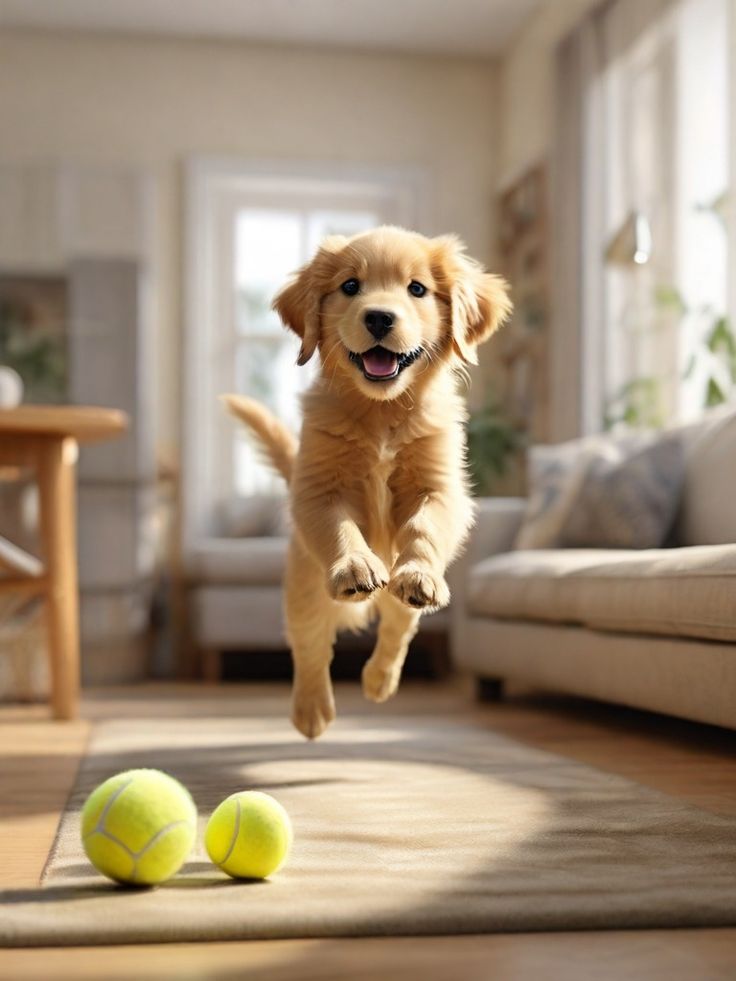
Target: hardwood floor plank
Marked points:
687	955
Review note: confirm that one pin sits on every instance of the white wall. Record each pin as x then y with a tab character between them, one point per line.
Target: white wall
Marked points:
152	103
527	73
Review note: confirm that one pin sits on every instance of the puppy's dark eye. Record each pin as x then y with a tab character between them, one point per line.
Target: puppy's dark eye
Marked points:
350	287
416	289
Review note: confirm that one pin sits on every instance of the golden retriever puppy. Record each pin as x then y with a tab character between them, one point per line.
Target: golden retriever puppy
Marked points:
379	492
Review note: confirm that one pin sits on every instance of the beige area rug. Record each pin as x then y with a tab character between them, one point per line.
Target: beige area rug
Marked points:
403	826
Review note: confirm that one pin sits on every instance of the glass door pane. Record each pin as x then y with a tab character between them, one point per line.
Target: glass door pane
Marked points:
269	245
268	248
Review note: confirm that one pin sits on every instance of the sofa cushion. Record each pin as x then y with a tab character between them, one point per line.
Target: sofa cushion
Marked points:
605	491
686	592
254	516
244	561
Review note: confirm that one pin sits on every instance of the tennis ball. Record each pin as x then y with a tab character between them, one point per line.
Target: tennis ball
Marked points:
249	835
138	827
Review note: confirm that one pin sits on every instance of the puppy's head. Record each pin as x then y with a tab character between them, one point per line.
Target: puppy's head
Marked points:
390	306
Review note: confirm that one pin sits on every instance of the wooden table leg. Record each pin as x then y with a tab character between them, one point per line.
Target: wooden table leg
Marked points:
211	665
56	480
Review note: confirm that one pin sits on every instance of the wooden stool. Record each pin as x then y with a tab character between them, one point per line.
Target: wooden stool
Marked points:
46	438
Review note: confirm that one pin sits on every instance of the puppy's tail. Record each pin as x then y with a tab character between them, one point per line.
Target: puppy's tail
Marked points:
278	442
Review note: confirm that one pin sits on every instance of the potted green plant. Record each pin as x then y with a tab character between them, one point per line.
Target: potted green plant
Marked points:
493	442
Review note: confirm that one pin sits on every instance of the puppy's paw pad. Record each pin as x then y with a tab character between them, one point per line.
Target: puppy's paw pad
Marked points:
419	588
379	684
312	716
357	577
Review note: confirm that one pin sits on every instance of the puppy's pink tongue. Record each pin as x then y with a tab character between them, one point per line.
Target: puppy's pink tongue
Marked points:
379	362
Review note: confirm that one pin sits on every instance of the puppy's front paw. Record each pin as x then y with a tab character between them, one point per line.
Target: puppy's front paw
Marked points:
379	683
355	578
419	587
311	714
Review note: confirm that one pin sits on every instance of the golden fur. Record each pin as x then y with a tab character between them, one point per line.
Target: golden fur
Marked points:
379	493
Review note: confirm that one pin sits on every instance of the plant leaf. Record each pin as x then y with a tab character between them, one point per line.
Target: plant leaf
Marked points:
669	298
714	394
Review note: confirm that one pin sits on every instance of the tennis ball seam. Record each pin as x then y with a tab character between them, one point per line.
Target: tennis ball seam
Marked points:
159	834
236	832
136	856
106	809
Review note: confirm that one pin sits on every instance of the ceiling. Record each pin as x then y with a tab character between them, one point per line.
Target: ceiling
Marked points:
454	27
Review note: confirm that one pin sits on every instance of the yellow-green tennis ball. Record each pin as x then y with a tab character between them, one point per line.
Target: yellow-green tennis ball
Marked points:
139	826
249	835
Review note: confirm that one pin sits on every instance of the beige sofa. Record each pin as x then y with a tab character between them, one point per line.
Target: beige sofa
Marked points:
654	629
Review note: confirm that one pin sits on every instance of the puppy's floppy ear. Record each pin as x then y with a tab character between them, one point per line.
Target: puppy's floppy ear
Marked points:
478	301
298	304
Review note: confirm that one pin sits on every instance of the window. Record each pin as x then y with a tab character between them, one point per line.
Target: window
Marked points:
639	348
656	219
249	228
702	241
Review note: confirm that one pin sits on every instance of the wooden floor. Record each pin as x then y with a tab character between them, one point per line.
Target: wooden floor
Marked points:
39	759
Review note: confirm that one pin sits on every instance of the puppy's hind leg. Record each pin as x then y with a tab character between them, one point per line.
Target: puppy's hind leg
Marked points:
312	700
382	671
311	625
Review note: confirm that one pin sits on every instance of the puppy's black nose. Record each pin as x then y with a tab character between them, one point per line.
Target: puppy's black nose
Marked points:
378	322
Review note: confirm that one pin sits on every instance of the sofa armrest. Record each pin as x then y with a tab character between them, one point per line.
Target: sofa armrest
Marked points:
497	524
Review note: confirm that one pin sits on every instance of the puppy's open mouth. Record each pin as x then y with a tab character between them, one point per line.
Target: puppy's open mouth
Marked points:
379	364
